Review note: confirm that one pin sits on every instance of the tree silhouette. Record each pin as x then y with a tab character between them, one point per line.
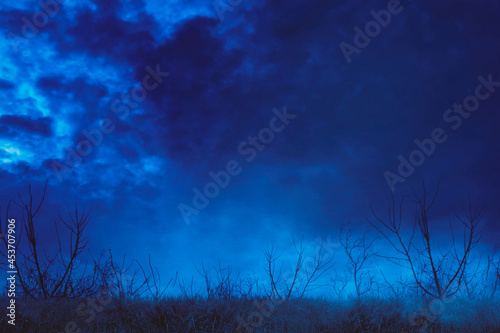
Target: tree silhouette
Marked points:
437	274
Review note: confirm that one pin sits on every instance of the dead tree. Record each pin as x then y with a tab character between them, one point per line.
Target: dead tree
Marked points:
437	274
187	289
205	274
360	253
57	276
339	283
154	286
480	280
400	288
125	280
272	257
302	276
221	283
493	271
249	287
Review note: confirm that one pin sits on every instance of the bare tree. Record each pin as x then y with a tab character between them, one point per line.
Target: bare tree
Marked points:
360	253
400	288
126	280
205	274
339	283
187	288
438	274
480	280
305	273
153	281
249	287
220	283
226	286
60	275
272	257
492	272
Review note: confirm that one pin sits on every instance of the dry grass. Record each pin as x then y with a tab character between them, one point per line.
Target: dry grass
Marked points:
259	315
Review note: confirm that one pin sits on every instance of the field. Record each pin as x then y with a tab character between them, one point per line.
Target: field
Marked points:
254	315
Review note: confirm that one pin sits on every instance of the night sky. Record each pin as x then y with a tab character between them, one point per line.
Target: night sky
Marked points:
302	111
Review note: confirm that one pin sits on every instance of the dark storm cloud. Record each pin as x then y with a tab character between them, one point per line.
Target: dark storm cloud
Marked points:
41	126
6	84
105	34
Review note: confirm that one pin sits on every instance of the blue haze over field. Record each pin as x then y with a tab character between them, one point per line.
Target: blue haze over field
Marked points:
225	77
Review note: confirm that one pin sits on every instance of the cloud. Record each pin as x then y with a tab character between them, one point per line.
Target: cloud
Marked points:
41	126
6	85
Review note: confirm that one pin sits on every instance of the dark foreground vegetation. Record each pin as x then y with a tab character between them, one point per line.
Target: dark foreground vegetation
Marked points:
257	315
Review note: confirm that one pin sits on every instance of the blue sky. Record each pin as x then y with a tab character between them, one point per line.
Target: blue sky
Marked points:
228	76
